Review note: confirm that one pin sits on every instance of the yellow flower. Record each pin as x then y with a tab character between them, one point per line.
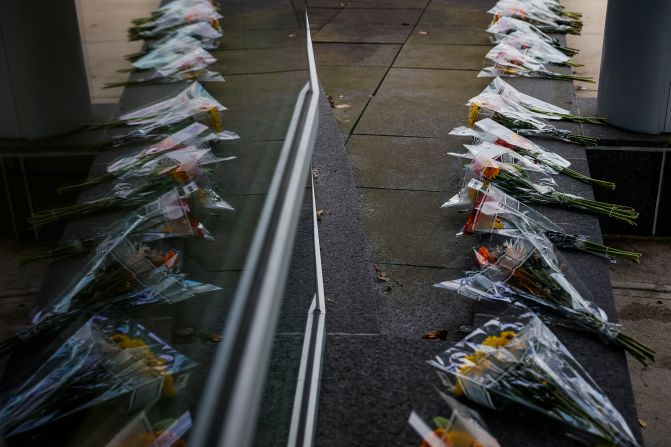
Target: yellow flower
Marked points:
498	224
473	114
215	118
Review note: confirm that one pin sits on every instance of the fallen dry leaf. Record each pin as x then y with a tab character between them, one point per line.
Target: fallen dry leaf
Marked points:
423	33
343	106
435	335
292	35
320	215
642	423
381	276
215	338
331	101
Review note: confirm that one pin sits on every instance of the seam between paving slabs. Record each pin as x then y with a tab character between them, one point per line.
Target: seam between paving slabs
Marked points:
414	27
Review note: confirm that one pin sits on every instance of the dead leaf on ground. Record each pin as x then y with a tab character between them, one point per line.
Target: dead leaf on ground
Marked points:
331	101
642	423
292	35
343	106
435	335
215	338
320	215
423	33
381	276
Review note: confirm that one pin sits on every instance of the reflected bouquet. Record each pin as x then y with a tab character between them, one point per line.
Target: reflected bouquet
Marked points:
190	66
174	15
168	216
488	130
517	362
109	358
509	61
517	117
192	103
463	428
524	269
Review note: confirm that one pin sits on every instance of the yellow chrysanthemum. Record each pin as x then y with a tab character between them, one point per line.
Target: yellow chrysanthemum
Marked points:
215	119
473	114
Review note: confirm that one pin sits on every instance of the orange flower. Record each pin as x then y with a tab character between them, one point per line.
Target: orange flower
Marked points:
490	172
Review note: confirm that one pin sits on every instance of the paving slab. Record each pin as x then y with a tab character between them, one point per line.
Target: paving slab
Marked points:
369	26
409	227
402	163
408	97
458	13
319	17
263	60
355	54
409	306
449	35
351	88
449	57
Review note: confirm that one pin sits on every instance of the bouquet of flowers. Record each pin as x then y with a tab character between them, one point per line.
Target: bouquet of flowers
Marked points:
195	134
514	180
537	48
539	109
520	119
549	17
524	269
488	130
503	26
509	61
168	216
190	66
192	103
185	168
165	53
463	428
109	358
174	15
496	212
121	270
517	362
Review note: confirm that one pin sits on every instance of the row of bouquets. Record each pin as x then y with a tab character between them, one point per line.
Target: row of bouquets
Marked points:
516	363
103	358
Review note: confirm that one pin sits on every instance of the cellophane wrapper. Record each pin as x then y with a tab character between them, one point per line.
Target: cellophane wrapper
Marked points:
532	369
532	11
191	102
108	357
456	426
525	269
507	25
204	32
535	47
166	52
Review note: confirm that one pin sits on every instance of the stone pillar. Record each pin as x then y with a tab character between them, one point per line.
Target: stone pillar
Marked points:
635	80
43	85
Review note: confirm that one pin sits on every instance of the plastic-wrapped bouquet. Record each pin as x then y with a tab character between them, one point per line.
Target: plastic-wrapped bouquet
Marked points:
550	17
174	15
192	103
509	61
182	168
109	358
463	427
519	118
168	216
488	130
496	212
525	269
537	48
503	26
517	362
189	66
538	108
515	180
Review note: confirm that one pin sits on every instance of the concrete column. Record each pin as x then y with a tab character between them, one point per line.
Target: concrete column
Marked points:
635	80
43	85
